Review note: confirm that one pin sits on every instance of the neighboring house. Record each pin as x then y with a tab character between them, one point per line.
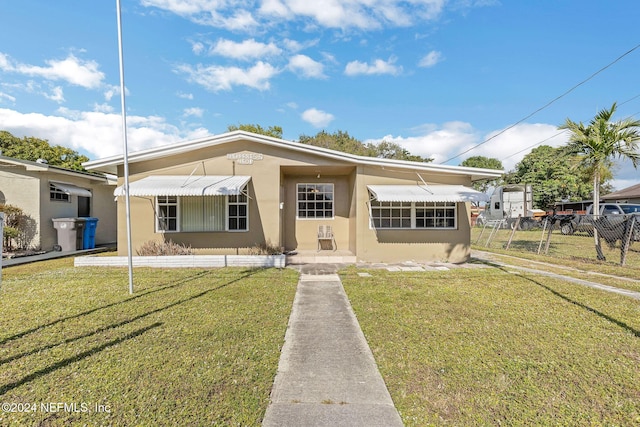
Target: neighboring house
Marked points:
626	195
226	193
44	192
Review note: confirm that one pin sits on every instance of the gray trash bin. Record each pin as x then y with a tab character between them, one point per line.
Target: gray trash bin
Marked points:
70	233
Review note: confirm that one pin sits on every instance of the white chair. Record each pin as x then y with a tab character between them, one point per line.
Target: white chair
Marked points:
325	234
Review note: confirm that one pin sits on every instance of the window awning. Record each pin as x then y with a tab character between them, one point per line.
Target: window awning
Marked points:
70	189
428	193
185	185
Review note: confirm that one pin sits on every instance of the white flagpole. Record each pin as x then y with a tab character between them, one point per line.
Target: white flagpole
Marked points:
125	149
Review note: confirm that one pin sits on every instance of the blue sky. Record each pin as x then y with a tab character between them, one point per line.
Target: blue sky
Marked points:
436	76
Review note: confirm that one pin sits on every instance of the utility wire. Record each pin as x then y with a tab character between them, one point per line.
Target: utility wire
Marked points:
546	105
565	130
537	143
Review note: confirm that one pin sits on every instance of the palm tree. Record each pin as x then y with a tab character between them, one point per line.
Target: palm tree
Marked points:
598	144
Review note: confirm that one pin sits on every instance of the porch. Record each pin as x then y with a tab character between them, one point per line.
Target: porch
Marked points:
321	257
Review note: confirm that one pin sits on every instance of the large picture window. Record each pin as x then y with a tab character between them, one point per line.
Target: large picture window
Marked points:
202	214
418	215
315	201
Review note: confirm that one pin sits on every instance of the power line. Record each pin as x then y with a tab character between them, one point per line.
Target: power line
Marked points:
537	143
564	131
546	105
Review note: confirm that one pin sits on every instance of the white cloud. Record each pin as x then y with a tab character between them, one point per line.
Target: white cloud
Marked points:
216	13
307	67
113	90
197	48
183	95
431	59
97	134
241	15
56	95
442	142
275	8
379	66
72	70
241	20
7	96
195	112
216	78
102	108
245	50
317	118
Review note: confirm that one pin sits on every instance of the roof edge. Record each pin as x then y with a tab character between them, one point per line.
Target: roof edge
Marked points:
110	164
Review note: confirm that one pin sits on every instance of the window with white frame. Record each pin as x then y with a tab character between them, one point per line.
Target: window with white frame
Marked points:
202	214
238	213
55	194
167	213
315	201
416	215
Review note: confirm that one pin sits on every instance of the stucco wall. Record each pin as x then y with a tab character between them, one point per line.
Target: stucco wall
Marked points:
409	245
264	192
272	207
302	233
29	190
22	190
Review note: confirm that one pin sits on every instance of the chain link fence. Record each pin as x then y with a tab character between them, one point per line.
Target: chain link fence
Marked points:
567	236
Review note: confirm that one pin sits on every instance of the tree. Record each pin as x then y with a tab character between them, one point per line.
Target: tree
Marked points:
30	148
339	141
545	168
598	144
393	150
484	163
342	141
273	131
15	222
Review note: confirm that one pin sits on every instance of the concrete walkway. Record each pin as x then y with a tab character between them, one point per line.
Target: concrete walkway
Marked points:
327	375
490	258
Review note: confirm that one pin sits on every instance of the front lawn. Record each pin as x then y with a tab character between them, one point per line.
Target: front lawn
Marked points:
493	347
190	347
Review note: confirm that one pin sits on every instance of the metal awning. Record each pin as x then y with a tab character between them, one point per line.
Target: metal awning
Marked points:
428	193
186	185
71	190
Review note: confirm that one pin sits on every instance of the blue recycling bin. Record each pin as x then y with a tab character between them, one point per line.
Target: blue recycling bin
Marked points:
89	236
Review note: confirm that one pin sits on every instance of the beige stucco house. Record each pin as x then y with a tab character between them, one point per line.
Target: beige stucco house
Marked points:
226	193
44	192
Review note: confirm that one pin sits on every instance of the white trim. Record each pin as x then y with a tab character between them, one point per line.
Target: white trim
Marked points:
186	185
71	189
227	217
157	216
413	218
109	164
428	193
333	202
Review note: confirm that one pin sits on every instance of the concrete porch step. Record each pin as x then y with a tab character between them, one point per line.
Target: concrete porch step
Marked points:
321	257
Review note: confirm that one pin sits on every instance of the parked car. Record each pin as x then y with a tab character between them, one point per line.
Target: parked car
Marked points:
612	215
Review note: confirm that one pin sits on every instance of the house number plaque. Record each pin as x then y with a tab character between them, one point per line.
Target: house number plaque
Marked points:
244	158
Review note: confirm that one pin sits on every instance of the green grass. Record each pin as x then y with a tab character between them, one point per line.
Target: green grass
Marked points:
190	347
488	347
577	250
616	276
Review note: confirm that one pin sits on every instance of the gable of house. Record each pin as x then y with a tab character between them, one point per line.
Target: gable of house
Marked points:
283	192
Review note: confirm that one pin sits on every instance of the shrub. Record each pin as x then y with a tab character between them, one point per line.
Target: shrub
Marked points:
15	224
154	248
265	248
